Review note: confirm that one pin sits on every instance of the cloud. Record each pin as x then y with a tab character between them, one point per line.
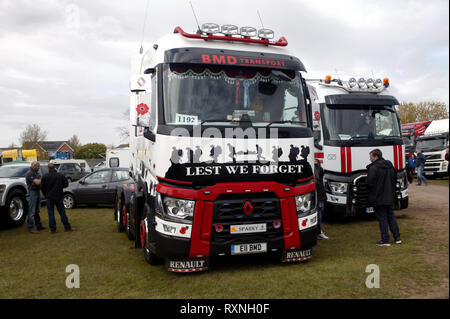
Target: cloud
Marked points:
65	64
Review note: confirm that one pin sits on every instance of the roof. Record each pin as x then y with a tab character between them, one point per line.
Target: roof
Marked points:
53	146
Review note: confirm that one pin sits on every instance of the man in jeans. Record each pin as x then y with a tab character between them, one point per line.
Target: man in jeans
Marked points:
33	179
381	183
420	164
52	186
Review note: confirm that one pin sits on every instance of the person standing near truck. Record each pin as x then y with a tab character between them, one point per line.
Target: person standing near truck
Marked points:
381	183
52	186
321	197
33	179
420	164
410	168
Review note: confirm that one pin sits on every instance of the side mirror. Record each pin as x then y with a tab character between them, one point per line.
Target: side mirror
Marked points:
81	181
149	135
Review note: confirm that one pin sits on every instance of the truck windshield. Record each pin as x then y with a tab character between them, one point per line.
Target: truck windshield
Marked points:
213	95
13	171
430	144
358	124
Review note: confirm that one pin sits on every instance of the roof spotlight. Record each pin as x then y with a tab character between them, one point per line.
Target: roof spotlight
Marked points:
370	83
362	83
248	32
265	33
352	82
230	29
378	83
210	28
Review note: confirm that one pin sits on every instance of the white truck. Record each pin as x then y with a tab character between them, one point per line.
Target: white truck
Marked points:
350	119
118	157
221	150
433	144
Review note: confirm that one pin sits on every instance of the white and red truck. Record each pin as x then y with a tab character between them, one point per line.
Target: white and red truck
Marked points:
351	118
221	150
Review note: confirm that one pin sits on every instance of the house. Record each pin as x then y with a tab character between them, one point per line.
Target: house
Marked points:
55	150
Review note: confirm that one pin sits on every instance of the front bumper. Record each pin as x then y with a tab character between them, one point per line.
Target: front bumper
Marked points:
355	200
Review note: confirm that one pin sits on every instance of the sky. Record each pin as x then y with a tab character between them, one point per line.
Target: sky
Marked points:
64	64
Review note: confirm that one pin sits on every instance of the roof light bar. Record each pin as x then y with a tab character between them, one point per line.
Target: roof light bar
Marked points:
282	42
248	32
230	29
352	85
265	34
210	28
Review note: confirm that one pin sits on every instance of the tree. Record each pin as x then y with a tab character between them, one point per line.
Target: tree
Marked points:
32	135
90	150
74	142
124	130
410	112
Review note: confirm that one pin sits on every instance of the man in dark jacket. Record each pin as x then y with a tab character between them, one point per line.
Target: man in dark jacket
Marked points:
420	164
33	180
381	183
52	185
321	196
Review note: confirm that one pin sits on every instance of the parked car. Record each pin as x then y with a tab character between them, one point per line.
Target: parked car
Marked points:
98	187
13	191
71	170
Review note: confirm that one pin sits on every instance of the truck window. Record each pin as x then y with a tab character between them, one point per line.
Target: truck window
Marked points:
222	95
114	162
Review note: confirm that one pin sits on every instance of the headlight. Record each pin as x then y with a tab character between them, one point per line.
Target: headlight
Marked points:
401	183
305	204
338	188
178	208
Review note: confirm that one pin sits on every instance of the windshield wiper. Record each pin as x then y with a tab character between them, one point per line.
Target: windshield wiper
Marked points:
282	122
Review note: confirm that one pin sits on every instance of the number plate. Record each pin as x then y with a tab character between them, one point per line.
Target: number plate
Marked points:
370	210
249	248
247	228
429	173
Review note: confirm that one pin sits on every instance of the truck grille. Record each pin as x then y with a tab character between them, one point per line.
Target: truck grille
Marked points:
362	193
434	156
235	209
431	164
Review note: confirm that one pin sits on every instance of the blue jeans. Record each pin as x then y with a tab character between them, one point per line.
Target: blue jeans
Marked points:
420	175
386	219
62	213
34	208
320	206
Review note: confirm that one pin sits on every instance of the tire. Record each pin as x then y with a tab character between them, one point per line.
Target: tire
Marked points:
128	226
149	256
69	180
69	201
404	203
118	215
16	208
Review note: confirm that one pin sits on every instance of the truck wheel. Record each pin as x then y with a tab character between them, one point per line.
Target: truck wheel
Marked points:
150	257
16	208
118	215
128	230
404	203
69	180
69	201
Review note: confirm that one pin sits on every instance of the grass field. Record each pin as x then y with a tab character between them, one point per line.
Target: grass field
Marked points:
33	266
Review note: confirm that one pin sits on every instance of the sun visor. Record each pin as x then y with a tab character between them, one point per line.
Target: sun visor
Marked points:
233	58
360	99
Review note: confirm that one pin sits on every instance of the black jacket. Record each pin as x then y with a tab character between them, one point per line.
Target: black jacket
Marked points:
381	179
52	185
318	178
30	177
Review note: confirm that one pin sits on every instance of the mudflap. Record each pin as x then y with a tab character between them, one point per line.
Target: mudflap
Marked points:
296	255
187	265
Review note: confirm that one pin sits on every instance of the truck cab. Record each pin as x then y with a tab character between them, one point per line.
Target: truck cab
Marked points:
433	143
221	150
350	119
410	133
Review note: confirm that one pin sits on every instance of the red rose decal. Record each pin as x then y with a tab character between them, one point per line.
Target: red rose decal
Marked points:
142	109
317	115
